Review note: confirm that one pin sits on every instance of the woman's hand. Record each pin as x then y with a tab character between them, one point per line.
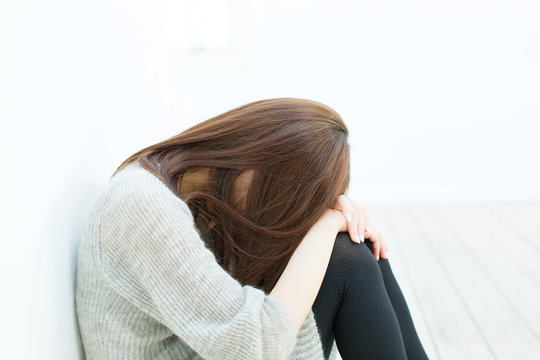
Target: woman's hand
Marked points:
359	226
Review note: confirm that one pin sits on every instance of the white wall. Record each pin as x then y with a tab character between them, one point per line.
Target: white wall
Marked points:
442	100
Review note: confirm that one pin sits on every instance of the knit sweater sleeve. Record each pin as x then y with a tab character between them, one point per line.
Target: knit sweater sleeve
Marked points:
152	254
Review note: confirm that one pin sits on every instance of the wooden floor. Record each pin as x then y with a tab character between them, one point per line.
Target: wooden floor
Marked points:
470	274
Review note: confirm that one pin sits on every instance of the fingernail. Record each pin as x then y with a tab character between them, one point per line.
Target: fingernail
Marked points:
362	237
355	238
348	216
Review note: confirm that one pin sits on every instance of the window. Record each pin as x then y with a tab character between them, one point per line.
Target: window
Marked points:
209	34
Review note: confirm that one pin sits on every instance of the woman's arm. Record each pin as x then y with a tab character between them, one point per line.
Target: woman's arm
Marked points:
299	283
151	253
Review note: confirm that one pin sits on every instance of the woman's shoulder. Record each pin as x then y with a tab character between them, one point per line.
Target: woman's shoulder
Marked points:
134	197
134	176
134	184
137	208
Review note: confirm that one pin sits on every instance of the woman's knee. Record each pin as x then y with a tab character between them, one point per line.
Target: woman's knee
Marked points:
352	258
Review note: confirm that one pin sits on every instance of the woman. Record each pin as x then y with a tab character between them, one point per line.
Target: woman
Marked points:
235	240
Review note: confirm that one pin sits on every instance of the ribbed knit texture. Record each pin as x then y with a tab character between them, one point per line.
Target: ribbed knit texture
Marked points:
148	288
361	305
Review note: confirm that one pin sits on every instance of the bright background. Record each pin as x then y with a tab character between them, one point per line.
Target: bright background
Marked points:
442	100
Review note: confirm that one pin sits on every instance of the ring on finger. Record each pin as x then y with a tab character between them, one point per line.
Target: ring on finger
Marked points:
367	230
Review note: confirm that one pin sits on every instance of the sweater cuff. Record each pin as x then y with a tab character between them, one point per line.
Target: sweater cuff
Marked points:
284	325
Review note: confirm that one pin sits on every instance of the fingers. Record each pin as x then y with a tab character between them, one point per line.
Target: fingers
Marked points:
353	226
345	205
379	247
367	232
376	246
361	223
384	248
360	227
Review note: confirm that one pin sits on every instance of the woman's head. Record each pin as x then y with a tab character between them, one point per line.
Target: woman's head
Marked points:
287	157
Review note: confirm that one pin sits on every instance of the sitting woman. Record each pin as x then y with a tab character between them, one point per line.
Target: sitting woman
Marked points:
235	240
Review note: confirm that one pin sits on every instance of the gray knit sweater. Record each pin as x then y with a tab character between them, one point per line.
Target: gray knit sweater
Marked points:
148	288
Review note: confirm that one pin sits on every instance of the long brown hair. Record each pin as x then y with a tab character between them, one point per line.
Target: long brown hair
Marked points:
300	157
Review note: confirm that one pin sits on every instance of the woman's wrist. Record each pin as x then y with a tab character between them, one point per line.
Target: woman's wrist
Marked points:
334	219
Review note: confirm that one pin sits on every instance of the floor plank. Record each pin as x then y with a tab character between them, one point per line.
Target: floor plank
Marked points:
504	235
521	294
520	223
485	278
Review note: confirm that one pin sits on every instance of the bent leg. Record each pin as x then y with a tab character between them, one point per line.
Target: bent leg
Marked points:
354	306
414	347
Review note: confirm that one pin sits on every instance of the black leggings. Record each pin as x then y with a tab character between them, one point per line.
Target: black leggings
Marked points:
361	305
